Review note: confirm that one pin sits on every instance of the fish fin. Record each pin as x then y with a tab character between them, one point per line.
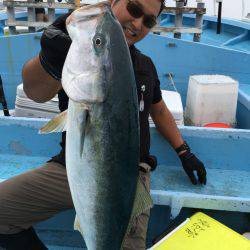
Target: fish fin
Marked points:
85	121
77	225
57	124
142	203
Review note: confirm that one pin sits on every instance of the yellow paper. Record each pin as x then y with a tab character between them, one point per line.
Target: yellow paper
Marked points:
202	232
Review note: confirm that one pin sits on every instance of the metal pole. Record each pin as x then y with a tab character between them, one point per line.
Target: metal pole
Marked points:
178	17
3	100
219	16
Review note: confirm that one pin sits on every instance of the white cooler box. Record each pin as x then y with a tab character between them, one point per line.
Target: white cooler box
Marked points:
25	107
174	104
211	99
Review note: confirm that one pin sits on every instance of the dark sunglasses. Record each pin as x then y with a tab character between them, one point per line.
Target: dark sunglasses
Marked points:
135	10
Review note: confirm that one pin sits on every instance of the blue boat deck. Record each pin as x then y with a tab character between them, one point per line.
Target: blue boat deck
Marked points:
234	35
228	185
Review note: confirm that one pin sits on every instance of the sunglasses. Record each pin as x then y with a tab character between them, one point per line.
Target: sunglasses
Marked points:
135	10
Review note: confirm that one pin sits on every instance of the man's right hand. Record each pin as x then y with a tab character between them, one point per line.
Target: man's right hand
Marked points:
42	74
55	43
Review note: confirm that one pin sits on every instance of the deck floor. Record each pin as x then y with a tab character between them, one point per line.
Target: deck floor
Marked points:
11	164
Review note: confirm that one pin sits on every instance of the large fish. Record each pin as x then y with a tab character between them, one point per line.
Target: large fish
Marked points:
102	124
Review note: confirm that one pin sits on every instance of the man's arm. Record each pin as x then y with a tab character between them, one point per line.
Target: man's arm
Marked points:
37	83
165	124
42	74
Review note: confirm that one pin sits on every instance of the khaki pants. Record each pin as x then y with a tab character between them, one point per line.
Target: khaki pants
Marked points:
43	192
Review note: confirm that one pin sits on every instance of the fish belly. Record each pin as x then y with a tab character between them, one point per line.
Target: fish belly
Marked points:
101	159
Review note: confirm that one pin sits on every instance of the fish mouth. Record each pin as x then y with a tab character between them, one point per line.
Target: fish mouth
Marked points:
102	5
89	12
86	88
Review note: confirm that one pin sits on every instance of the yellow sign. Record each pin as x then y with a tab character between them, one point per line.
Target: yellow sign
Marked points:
202	232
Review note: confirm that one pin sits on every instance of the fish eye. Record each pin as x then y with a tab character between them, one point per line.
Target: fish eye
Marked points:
98	41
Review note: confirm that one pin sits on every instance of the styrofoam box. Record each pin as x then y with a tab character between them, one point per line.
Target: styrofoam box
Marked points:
211	99
25	107
174	104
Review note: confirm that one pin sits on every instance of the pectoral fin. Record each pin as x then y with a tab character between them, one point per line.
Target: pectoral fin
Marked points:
57	124
77	225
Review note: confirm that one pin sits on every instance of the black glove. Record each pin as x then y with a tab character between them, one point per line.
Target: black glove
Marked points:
55	43
190	164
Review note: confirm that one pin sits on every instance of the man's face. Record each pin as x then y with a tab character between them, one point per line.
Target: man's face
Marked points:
133	28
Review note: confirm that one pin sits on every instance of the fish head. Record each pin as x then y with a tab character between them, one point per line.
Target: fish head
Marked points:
88	67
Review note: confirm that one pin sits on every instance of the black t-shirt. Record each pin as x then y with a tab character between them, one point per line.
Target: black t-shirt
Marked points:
55	44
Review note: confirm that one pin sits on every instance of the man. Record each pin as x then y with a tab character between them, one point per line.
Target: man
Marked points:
39	194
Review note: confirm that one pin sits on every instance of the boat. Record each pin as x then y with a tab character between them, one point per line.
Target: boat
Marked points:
225	152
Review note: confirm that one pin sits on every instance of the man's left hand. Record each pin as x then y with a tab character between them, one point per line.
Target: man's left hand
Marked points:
190	164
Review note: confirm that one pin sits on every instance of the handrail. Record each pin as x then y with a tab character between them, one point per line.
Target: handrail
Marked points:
184	10
33	25
179	10
52	5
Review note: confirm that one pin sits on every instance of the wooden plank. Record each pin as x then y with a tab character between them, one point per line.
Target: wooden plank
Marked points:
53	5
11	17
178	18
10	3
174	29
198	23
185	10
28	24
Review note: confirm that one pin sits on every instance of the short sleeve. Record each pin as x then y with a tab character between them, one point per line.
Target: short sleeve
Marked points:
55	43
157	96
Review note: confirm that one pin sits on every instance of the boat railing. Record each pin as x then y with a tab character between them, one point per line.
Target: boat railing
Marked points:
51	5
31	5
179	11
